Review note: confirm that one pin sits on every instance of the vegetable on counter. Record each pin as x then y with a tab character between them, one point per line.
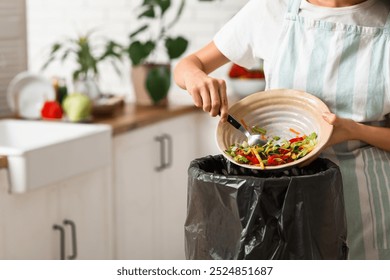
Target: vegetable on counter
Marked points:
77	107
51	110
237	71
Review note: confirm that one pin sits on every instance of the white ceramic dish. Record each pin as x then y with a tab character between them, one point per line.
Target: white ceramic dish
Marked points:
277	111
245	87
26	94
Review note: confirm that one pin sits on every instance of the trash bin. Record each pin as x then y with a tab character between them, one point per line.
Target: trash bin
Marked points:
240	213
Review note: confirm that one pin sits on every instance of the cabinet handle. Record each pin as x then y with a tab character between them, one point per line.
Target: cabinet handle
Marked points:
160	139
168	140
165	141
62	240
74	239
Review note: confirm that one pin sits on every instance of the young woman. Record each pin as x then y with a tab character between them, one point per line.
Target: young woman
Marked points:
338	50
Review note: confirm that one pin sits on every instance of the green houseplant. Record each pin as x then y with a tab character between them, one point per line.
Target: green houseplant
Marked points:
151	48
87	53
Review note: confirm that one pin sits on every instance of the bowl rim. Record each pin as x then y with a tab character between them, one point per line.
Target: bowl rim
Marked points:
328	128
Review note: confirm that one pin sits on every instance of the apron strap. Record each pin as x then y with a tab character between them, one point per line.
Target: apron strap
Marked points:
387	25
293	7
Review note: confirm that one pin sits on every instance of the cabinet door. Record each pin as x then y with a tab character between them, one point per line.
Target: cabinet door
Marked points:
27	224
172	190
85	202
29	220
3	192
136	157
151	193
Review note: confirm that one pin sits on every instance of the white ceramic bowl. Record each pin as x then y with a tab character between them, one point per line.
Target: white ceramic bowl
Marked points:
277	111
245	87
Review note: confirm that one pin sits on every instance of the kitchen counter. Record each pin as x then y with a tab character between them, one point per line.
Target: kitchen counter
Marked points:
3	162
131	116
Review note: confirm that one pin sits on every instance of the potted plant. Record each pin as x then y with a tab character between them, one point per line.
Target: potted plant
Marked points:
151	50
87	54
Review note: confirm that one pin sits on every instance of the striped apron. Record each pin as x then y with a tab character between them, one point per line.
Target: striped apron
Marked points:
347	66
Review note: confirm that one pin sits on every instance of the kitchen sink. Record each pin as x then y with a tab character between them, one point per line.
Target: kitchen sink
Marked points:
44	152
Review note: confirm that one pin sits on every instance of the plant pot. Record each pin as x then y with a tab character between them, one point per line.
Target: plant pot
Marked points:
151	83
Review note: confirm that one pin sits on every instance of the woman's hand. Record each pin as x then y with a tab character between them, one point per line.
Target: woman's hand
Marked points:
342	128
208	93
341	133
192	74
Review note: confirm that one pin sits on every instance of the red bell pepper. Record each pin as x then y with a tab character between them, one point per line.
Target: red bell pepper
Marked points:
296	139
251	157
51	110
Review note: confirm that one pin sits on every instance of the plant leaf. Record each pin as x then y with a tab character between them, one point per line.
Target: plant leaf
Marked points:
48	62
164	5
176	46
112	49
76	74
158	82
148	2
139	51
55	48
142	28
149	12
53	52
65	55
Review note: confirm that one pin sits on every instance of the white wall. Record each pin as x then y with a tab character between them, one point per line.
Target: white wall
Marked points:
53	20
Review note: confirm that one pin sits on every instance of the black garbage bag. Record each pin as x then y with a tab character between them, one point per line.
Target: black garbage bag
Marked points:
240	213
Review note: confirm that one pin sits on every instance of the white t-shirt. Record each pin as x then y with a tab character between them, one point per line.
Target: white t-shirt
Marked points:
253	33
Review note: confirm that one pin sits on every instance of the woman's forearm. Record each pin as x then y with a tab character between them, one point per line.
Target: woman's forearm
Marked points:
198	65
375	136
187	66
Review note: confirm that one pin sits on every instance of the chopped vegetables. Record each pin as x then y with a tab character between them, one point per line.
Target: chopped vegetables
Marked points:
294	131
259	130
244	124
275	152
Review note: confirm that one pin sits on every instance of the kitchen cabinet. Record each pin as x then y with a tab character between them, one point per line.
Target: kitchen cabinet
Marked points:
79	208
150	180
2	212
206	135
133	209
86	201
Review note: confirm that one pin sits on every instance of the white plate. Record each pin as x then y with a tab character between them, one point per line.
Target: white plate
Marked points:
27	93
